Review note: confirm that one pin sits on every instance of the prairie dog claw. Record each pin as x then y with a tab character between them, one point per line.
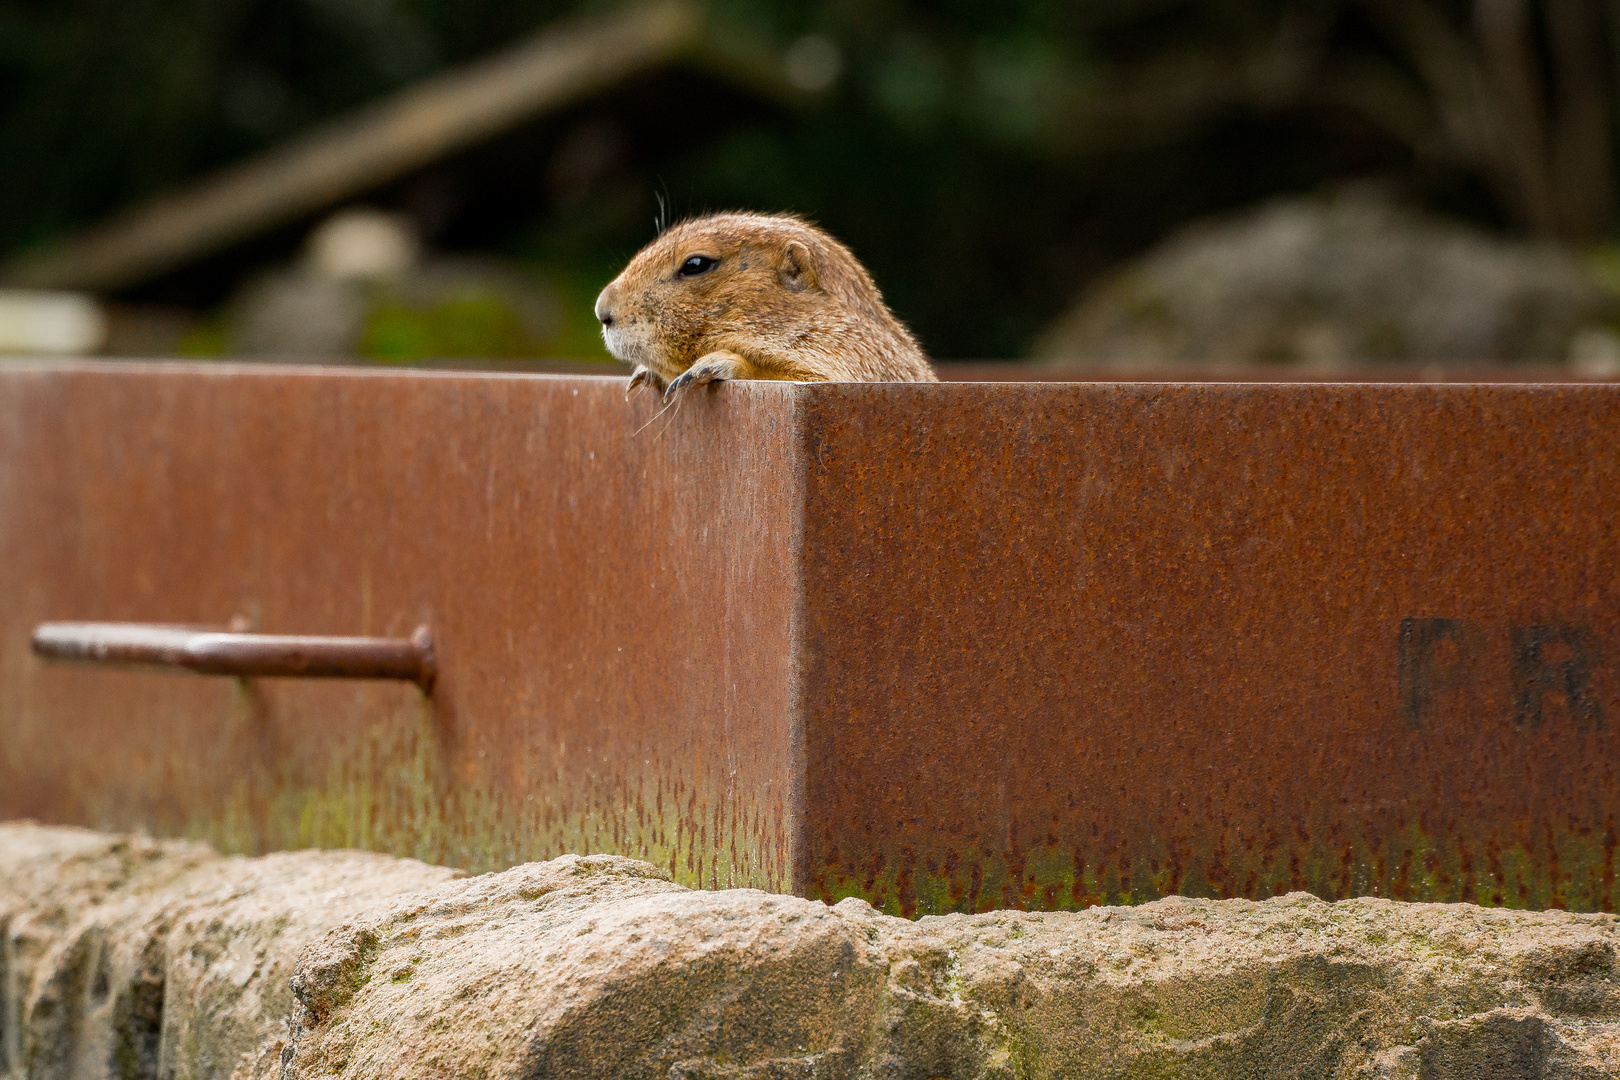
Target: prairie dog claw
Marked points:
715	367
643	376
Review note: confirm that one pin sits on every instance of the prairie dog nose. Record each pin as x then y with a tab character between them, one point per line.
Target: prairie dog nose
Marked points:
604	304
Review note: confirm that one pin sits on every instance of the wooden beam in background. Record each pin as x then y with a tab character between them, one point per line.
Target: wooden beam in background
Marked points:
358	152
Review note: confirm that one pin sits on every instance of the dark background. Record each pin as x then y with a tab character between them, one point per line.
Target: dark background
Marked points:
985	160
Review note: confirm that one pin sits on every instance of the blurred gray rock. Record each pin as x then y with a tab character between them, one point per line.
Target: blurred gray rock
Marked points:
1335	282
440	308
363	287
296	314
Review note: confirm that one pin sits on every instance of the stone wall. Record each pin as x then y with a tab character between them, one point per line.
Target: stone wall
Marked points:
125	957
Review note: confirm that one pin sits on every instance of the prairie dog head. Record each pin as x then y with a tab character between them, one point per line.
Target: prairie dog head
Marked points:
774	289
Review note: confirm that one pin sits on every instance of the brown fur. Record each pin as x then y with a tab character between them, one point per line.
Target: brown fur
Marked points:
783	301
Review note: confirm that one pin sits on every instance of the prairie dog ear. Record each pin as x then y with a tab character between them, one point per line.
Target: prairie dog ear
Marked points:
797	272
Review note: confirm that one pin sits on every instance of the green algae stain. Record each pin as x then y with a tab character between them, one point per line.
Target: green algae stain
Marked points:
1564	868
393	788
1048	879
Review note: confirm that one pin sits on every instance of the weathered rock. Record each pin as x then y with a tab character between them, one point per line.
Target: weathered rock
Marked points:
1332	283
599	966
125	957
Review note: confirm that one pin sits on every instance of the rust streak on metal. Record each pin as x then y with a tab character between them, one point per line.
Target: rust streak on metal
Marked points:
215	652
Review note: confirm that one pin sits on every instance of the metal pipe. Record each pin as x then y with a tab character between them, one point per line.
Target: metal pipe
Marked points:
244	655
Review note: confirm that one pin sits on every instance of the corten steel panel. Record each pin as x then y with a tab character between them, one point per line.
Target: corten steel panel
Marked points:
610	608
1070	644
942	646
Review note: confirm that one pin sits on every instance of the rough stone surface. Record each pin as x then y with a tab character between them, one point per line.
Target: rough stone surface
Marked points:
126	957
1333	283
122	956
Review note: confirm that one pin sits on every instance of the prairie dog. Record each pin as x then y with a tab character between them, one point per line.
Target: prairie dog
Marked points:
753	296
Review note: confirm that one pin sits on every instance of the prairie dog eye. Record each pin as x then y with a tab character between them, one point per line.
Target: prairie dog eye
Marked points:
695	265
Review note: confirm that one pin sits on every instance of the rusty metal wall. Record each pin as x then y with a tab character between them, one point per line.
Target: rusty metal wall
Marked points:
1080	644
609	605
947	647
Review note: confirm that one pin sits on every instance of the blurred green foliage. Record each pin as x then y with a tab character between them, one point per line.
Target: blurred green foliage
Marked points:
983	159
474	326
478	324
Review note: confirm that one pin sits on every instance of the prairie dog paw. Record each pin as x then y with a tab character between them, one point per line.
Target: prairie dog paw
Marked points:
715	367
